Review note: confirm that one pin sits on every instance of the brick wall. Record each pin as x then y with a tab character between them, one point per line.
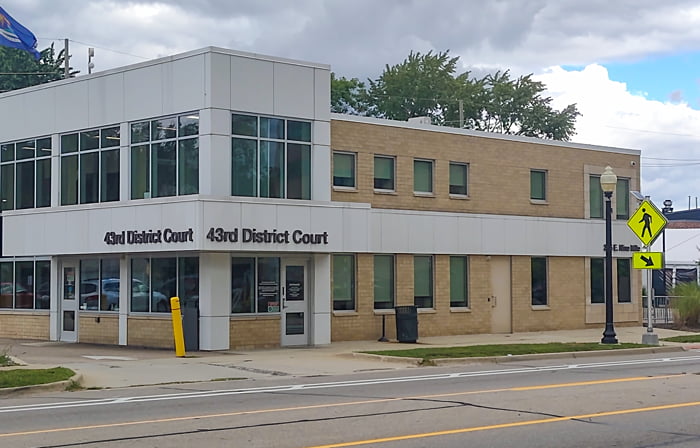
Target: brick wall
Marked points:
255	332
150	331
24	325
98	329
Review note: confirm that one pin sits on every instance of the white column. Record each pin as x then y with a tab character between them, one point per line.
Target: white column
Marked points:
215	152
214	300
54	300
321	162
321	302
124	293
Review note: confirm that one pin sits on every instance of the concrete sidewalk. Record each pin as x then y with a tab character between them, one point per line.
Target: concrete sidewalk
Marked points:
113	366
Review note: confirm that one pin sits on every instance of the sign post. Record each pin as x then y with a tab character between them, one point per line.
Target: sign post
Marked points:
648	223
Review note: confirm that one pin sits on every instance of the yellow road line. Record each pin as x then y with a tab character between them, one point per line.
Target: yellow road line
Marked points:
331	405
508	425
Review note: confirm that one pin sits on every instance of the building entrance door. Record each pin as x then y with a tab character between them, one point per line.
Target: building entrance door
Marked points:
68	299
295	313
500	295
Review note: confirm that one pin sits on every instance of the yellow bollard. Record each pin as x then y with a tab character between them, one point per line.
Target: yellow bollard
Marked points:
177	327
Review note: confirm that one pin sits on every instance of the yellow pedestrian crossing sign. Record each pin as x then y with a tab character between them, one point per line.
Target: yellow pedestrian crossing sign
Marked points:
647	222
647	260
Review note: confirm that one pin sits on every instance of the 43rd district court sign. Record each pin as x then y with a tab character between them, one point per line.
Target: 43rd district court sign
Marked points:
647	222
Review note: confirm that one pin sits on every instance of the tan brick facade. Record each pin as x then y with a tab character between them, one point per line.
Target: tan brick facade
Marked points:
98	328
254	332
24	325
150	331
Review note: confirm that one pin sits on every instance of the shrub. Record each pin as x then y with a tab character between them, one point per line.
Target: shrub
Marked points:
687	303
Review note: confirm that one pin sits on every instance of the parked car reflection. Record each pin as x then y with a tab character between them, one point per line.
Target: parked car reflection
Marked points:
140	296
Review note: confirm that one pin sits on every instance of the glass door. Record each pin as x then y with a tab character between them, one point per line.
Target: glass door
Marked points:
68	314
295	316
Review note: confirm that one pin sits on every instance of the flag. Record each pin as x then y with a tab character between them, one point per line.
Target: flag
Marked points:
13	34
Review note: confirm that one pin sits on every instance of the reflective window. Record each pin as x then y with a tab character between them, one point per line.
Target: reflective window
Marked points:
384	173
597	280
264	160
423	281
459	280
343	282
90	166
155	280
383	282
255	285
458	178
624	285
165	157
538	185
25	284
538	284
622	198
25	174
595	197
423	176
344	169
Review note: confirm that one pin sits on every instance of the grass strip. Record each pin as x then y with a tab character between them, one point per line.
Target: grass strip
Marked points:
30	377
686	338
474	351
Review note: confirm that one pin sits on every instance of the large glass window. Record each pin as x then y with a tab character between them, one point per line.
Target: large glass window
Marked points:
25	174
423	176
383	282
423	281
459	280
344	169
539	280
597	280
99	284
343	282
25	284
384	173
90	166
595	197
458	178
624	285
165	157
255	285
622	198
271	157
155	280
538	185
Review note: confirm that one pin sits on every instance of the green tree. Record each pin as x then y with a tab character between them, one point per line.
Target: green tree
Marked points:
428	85
19	69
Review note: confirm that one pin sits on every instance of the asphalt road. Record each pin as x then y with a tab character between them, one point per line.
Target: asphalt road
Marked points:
625	401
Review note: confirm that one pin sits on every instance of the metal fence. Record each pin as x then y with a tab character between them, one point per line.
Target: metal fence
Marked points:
662	310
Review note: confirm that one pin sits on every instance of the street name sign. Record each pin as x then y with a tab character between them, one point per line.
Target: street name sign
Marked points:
647	222
648	260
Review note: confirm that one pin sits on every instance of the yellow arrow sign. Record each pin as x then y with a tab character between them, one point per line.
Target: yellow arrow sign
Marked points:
647	222
648	260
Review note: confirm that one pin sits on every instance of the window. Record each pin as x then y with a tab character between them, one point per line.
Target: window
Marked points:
165	157
90	166
596	197
383	282
25	284
384	173
458	178
459	282
99	284
622	198
539	280
343	282
155	280
597	280
538	185
423	176
25	174
344	169
270	157
255	285
423	281
624	287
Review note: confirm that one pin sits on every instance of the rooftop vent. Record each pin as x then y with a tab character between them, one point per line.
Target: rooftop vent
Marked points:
419	120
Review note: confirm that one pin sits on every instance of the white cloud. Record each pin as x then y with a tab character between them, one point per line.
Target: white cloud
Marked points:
668	134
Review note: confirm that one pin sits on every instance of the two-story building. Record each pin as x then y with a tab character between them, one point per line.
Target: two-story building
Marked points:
222	178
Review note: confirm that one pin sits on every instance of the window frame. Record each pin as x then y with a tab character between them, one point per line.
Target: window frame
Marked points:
464	274
596	208
424	301
465	166
391	287
622	198
624	284
349	302
601	282
392	159
431	189
255	299
13	191
543	186
11	285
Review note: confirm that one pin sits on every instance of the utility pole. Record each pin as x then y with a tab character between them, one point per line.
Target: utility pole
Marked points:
66	58
461	114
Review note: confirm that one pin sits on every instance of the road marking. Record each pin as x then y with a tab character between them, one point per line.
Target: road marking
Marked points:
508	425
332	405
109	358
330	385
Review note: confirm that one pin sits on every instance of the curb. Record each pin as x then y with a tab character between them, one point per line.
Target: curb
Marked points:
36	388
512	358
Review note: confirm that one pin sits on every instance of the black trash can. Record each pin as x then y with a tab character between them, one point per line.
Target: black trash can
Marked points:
406	323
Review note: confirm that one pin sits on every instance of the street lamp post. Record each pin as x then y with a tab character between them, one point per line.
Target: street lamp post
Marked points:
608	182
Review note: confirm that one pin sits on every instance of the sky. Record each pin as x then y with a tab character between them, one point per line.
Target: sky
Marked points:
631	66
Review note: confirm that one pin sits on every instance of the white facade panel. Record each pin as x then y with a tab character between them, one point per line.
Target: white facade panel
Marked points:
252	85
71	107
218	81
187	89
42	120
321	169
294	91
106	100
322	94
143	95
